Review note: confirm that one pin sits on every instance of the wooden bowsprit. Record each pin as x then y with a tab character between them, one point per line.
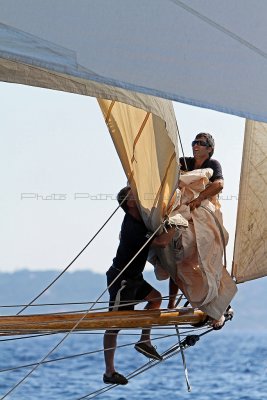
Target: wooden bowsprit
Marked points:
64	322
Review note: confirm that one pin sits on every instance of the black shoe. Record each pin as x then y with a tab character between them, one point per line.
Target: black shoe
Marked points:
228	316
115	378
148	351
229	313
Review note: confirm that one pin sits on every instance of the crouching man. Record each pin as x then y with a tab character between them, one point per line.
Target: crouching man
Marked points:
130	287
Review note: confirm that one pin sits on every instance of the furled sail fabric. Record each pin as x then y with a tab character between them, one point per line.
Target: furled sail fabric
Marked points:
250	255
92	47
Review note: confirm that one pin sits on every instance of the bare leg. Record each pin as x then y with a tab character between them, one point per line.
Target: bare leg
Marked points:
110	342
144	345
153	302
173	290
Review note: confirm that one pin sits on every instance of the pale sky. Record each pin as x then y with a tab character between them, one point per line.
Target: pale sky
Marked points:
60	175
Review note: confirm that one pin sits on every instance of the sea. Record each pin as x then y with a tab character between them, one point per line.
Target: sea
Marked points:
222	365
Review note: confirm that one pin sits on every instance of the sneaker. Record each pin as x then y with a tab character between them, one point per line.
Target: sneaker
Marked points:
148	351
115	378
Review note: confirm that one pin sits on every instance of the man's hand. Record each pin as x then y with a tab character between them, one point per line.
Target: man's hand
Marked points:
195	203
212	190
164	238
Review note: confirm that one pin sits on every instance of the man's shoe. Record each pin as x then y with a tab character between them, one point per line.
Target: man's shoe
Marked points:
115	378
148	351
229	313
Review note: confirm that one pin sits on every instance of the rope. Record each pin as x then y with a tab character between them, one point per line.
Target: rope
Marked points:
101	350
67	304
81	354
75	258
50	304
132	375
80	320
46	331
182	148
27	337
170	352
132	259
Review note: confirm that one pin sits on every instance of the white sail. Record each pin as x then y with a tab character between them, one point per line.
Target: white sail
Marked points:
143	127
250	255
199	53
192	52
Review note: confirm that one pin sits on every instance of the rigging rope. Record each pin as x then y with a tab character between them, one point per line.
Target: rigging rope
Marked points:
75	258
83	354
81	319
182	148
67	304
44	359
172	351
134	373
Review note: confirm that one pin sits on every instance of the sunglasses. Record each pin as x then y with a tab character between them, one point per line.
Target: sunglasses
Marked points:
200	143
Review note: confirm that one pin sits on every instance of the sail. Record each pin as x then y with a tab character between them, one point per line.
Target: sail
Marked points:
171	49
187	51
147	147
250	254
143	127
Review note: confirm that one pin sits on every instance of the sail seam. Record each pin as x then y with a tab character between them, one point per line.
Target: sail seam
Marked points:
173	156
109	111
220	28
139	134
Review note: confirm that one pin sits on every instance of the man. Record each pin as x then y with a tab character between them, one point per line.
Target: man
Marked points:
203	149
131	286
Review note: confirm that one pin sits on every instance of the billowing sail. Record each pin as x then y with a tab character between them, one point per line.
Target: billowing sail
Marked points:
250	255
147	147
121	52
143	127
196	52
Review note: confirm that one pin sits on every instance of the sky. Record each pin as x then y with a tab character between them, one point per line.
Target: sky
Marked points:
60	173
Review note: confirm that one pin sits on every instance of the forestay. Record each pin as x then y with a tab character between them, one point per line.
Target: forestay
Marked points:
250	255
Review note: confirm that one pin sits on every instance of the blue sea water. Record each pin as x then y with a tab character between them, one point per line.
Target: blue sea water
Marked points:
223	365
